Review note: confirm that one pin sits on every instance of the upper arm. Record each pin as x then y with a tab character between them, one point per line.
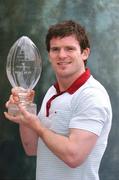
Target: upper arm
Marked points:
82	143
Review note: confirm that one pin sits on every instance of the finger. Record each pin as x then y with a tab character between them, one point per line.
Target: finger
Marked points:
7	104
27	115
10	101
12	118
15	91
30	91
24	111
14	98
30	95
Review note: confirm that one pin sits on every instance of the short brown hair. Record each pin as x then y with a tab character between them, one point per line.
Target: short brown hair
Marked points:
68	28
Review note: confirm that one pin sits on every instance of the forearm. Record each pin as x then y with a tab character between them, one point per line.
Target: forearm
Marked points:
73	150
29	140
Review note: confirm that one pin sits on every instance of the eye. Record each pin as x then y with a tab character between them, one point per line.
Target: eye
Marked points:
69	48
54	49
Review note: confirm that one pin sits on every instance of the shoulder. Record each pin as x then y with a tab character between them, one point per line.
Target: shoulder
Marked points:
92	93
91	88
91	107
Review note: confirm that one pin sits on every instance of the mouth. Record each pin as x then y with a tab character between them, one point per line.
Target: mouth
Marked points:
63	63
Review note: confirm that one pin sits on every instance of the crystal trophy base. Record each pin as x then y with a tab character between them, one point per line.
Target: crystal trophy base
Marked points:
14	110
31	107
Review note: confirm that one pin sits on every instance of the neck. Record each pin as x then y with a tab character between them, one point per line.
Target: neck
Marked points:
66	82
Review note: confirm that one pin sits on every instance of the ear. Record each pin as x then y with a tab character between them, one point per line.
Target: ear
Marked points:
85	54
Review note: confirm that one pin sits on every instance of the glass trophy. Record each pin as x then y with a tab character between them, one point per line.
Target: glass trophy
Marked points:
23	69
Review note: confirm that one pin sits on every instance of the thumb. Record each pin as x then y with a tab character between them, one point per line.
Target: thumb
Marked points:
23	110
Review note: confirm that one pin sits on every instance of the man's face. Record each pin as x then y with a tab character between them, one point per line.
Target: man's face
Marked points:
66	57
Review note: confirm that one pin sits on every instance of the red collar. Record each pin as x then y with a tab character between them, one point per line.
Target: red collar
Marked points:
72	89
76	84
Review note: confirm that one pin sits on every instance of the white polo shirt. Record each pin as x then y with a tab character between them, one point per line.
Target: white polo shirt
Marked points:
85	105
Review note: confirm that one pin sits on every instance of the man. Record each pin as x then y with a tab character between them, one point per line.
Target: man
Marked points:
70	133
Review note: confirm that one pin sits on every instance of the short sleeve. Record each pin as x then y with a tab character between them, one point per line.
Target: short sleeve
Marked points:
89	113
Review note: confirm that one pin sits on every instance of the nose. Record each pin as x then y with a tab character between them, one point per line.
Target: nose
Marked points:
62	53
